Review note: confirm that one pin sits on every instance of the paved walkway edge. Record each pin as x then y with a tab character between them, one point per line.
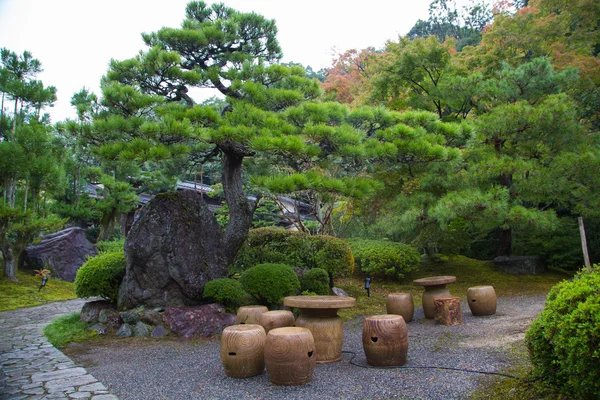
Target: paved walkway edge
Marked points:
31	368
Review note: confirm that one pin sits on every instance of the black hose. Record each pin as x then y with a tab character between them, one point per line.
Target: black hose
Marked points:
472	371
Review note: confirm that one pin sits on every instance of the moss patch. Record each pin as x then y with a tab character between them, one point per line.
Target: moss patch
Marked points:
25	292
468	272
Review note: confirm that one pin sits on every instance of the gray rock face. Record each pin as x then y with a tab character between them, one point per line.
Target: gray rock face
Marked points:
130	317
339	292
172	251
125	331
159	331
524	265
65	251
140	329
196	322
90	312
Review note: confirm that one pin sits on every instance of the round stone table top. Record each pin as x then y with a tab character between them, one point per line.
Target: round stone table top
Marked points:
319	301
434	280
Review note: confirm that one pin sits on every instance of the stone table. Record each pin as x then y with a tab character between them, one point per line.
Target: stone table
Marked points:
319	315
435	287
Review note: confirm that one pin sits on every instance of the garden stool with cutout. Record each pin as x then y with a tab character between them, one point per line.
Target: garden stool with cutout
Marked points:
385	340
290	356
482	300
242	350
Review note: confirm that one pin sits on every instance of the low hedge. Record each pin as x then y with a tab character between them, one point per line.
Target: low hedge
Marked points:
269	245
101	276
384	259
564	341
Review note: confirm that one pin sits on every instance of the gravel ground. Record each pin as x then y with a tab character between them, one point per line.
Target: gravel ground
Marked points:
148	369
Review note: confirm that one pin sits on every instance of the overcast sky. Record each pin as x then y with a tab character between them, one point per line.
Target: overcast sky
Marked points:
75	39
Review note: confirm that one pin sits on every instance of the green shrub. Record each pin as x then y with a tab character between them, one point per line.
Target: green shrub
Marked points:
111	246
563	341
384	259
315	280
228	292
268	245
327	252
101	276
270	283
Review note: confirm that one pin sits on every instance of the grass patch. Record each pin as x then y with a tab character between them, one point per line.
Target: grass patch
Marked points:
468	272
527	387
25	292
66	329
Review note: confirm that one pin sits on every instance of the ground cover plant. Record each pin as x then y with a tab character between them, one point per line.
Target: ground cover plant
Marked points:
25	292
66	329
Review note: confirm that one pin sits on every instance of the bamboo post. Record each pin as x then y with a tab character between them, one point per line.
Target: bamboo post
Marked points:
586	257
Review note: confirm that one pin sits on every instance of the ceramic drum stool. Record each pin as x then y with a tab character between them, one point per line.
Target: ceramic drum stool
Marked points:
482	300
250	314
242	350
385	340
290	356
276	319
400	304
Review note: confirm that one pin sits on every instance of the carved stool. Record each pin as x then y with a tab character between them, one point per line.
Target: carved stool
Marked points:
250	314
482	300
385	340
400	304
447	310
276	319
290	356
242	350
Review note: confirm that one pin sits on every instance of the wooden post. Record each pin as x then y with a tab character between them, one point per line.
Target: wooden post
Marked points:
586	257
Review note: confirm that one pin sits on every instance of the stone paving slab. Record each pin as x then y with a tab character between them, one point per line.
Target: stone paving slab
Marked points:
31	368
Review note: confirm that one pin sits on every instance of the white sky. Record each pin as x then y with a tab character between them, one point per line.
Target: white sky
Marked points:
75	39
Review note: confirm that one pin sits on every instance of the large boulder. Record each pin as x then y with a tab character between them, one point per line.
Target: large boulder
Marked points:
64	251
197	322
520	265
172	251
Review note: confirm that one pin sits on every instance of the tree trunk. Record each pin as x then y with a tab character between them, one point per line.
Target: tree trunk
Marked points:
26	193
107	227
10	271
241	209
505	245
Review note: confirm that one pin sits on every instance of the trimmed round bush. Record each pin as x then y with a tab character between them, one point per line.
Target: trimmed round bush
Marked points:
264	245
385	259
316	281
270	283
226	291
563	341
327	252
101	276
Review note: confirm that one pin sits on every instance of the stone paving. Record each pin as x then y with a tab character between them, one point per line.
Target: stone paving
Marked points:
31	368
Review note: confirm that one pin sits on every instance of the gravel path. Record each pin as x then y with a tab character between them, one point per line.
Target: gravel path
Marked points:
148	369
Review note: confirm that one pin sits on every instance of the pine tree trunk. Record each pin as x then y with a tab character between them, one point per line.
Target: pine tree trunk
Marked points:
10	272
241	209
505	245
107	227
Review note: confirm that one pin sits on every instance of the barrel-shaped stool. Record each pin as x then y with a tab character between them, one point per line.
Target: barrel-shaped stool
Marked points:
400	304
242	350
482	300
290	356
385	340
276	319
250	314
